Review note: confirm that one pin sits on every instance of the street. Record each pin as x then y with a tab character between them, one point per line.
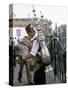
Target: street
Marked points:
49	77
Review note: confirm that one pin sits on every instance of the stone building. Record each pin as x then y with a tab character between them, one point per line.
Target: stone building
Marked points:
22	23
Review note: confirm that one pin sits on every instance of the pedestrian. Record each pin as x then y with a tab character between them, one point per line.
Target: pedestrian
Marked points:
24	46
39	75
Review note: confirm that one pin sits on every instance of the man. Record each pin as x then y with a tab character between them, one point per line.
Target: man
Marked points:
39	75
25	47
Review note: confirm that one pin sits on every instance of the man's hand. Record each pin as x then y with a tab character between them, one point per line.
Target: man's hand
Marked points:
27	57
24	58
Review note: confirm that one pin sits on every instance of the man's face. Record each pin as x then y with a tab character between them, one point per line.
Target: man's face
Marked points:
31	34
30	31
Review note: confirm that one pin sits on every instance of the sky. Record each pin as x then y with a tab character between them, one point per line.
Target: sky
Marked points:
56	14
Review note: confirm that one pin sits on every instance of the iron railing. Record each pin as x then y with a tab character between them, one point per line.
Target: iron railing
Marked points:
58	59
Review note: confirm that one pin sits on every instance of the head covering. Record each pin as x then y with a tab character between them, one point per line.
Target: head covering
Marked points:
29	28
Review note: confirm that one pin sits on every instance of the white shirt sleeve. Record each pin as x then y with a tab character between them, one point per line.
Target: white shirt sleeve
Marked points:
35	48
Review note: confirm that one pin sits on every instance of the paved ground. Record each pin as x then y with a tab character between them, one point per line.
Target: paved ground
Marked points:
49	76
